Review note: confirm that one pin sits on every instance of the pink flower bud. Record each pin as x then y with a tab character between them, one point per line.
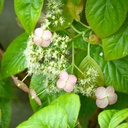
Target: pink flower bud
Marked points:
35	97
20	84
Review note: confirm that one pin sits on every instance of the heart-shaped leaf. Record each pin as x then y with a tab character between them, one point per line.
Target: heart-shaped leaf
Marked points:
106	16
89	63
14	60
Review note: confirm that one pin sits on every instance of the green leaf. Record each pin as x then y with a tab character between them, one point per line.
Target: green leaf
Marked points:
116	45
74	9
87	63
1	5
5	90
38	84
123	125
52	116
71	103
112	118
115	72
28	13
5	108
14	60
106	16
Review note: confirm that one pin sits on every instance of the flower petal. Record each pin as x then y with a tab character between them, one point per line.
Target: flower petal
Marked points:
112	98
63	75
69	87
100	92
72	79
102	103
45	43
61	83
47	35
38	32
38	40
110	90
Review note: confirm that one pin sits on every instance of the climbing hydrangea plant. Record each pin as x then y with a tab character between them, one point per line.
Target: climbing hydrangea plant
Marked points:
75	54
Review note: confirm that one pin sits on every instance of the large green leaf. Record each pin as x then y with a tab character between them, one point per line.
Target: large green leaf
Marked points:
123	125
106	16
116	45
112	118
71	103
1	5
28	12
5	108
115	72
14	60
52	116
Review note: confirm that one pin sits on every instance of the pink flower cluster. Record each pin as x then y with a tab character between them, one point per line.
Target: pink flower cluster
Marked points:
105	96
42	37
66	81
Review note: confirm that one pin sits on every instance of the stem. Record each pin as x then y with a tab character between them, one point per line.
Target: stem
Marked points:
88	49
25	77
79	70
85	25
41	92
72	57
75	29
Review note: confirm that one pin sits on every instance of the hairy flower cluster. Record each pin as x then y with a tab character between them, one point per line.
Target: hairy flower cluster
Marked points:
87	84
48	61
54	14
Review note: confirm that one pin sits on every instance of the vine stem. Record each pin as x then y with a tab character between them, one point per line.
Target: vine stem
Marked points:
85	25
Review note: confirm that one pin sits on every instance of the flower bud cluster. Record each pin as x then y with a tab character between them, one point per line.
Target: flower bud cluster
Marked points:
87	85
48	61
54	14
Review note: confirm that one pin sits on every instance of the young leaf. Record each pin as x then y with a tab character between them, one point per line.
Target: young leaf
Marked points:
105	17
71	103
112	118
14	60
52	116
75	10
87	63
5	108
1	5
28	12
116	45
